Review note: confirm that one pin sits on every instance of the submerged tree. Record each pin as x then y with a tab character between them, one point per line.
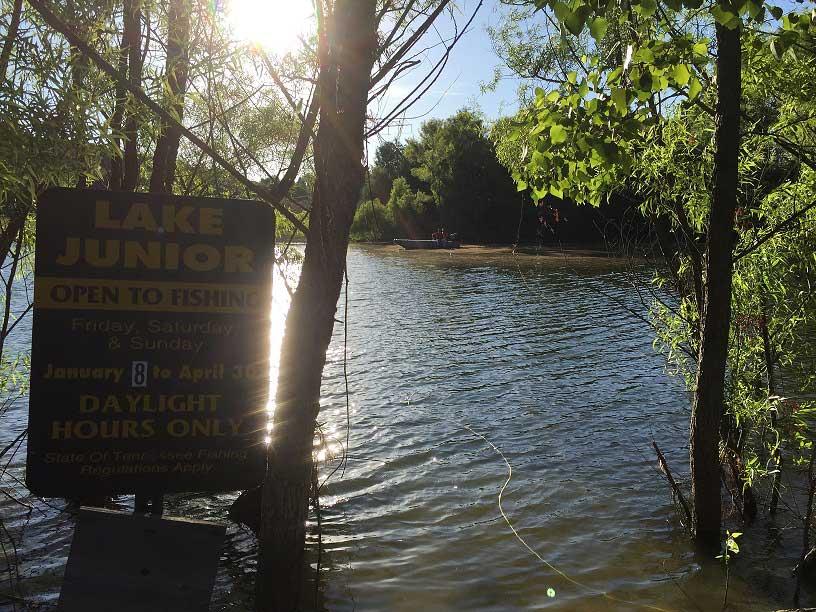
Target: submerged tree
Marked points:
363	46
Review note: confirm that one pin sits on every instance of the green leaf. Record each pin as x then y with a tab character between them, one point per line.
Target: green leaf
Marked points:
700	48
556	191
619	100
777	48
561	10
598	27
647	8
681	74
572	77
558	134
644	55
521	185
721	15
645	80
575	20
725	17
694	89
776	12
789	37
753	8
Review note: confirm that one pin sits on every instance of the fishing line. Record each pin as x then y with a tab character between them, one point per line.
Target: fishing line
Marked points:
507	520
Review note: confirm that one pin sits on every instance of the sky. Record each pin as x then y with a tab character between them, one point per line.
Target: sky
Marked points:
472	63
278	25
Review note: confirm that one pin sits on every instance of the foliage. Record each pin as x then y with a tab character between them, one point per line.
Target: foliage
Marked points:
449	176
730	546
634	113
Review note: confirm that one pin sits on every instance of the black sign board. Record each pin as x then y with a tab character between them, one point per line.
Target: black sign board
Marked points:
133	563
150	349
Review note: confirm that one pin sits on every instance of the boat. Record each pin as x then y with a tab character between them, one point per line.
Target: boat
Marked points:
427	244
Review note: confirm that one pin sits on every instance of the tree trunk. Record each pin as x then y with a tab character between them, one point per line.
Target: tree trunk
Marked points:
348	42
116	162
177	68
709	393
11	35
133	39
770	360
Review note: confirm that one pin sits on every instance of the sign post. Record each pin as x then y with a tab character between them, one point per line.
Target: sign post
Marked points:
150	352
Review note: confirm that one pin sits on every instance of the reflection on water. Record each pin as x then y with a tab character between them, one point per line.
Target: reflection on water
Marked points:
539	357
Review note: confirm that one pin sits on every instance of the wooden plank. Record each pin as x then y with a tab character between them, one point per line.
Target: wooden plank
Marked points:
132	563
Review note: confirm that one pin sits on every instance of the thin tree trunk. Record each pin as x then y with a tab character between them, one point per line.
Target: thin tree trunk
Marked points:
769	366
16	218
808	522
177	68
8	43
343	88
133	39
709	392
116	164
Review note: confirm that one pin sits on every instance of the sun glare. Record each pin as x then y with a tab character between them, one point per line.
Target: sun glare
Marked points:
276	25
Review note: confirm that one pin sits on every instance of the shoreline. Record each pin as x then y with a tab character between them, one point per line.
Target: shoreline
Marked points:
566	251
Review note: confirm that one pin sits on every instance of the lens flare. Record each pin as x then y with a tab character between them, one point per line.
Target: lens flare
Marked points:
276	25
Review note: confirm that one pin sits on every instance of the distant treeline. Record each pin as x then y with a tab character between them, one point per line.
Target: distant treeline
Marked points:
450	177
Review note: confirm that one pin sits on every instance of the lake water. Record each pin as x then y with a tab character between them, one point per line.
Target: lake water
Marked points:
460	364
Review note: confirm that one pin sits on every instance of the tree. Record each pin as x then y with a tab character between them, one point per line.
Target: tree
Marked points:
177	68
583	139
346	59
449	177
709	391
353	63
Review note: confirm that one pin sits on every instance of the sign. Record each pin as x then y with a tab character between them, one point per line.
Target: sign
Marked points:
132	563
150	349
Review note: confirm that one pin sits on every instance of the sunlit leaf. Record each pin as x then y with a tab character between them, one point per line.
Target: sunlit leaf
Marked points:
558	134
598	27
681	74
695	87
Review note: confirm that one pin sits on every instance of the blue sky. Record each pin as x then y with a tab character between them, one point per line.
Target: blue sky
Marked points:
472	62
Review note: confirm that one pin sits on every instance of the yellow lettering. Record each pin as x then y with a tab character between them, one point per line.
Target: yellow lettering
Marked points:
102	217
139	217
238	259
71	255
95	258
177	220
88	403
210	221
135	253
202	257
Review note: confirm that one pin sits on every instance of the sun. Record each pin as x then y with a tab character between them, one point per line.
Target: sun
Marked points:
276	25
